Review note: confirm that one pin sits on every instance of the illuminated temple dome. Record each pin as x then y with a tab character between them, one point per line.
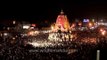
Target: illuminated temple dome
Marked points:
62	22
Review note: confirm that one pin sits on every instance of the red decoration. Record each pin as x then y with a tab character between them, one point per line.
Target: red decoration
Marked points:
33	25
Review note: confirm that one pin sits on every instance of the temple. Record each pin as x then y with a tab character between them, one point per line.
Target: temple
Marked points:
62	22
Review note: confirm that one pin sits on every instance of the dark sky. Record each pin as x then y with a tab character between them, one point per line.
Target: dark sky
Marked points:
48	10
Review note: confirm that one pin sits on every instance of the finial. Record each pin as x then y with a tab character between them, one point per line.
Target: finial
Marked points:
62	11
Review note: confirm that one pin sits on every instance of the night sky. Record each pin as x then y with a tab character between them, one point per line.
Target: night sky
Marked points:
37	11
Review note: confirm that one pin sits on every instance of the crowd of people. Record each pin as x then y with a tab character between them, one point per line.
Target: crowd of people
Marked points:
85	46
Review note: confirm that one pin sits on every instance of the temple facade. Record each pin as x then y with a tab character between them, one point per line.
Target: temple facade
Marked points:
62	22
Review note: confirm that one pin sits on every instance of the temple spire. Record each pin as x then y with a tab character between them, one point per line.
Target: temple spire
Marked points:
62	22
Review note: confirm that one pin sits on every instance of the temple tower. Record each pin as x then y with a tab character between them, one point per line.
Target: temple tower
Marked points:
62	22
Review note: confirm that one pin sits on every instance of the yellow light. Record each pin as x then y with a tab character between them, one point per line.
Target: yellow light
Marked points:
52	27
13	38
90	24
101	29
31	33
73	25
71	36
80	24
14	22
103	32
